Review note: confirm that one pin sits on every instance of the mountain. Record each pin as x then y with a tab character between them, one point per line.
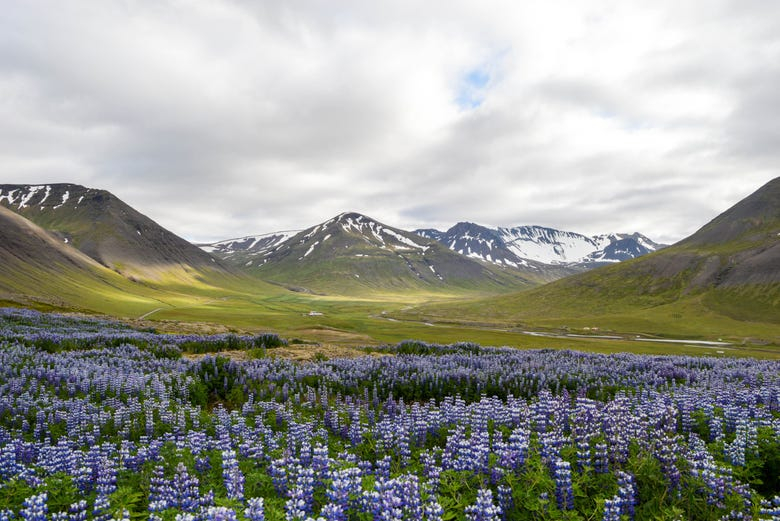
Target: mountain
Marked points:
109	231
516	246
353	252
725	275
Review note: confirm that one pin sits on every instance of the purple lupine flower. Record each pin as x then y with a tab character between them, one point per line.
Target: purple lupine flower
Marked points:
233	477
626	493
564	494
667	458
301	499
106	478
219	514
432	510
410	489
601	458
771	508
255	509
345	483
207	499
35	508
483	509
506	501
333	512
431	470
78	511
158	490
278	472
100	509
8	465
294	508
612	509
185	486
383	467
202	464
320	461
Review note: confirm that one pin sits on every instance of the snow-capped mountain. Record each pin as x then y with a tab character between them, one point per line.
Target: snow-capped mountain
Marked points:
251	249
518	245
354	250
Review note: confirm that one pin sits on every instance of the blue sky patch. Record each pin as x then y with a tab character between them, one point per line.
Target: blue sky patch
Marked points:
473	89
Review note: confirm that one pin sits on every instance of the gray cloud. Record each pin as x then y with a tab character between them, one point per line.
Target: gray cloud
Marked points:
220	119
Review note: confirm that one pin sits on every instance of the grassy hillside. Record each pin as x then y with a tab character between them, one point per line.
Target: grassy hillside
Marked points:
722	282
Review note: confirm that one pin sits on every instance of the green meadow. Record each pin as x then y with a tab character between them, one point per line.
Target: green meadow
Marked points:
244	304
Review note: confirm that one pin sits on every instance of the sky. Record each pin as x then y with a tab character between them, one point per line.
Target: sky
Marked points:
225	118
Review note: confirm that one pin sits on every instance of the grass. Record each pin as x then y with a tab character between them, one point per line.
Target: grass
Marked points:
220	302
353	322
693	317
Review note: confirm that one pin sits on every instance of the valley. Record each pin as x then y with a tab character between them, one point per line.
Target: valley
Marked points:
354	281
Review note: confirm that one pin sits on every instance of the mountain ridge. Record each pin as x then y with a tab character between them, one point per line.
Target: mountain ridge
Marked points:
354	250
516	245
503	247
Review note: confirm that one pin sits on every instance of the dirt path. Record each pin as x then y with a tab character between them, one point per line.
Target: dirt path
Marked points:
147	314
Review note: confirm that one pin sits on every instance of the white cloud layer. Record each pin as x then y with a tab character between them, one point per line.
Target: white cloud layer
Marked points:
224	118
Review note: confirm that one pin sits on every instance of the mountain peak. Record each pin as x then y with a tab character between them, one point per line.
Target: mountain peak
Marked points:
754	218
367	229
351	216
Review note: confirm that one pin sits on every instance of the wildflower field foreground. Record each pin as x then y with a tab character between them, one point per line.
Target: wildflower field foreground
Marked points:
100	421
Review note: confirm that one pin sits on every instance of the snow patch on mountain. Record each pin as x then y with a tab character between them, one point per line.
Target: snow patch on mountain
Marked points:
518	245
251	244
386	238
65	198
42	196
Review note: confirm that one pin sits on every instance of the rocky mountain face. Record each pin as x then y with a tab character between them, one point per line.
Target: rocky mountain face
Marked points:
518	245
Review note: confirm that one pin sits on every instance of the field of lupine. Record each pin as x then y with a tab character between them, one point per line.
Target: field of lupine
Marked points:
99	421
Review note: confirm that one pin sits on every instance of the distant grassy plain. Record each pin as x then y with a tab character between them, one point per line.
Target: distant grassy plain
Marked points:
225	303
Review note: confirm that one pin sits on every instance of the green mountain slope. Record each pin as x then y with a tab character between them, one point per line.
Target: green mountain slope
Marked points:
109	231
37	268
352	253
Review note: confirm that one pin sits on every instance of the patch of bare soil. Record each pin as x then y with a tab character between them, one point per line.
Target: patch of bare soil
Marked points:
327	335
237	355
296	352
184	328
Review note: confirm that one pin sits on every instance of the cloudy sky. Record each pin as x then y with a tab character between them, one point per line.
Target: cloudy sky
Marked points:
222	118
